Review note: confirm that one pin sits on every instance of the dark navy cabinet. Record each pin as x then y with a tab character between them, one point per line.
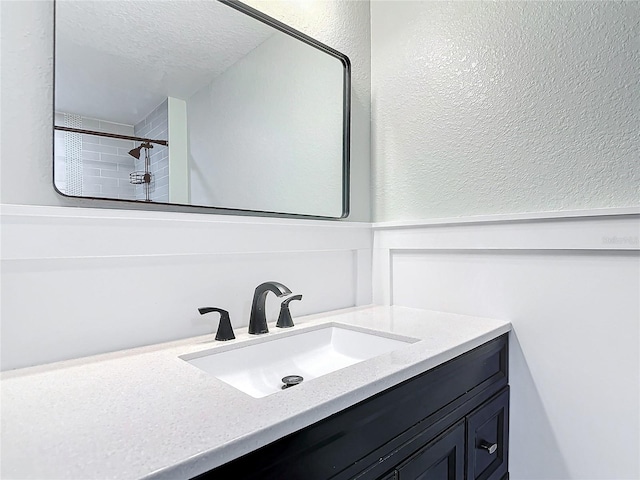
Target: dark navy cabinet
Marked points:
475	448
449	423
442	458
488	439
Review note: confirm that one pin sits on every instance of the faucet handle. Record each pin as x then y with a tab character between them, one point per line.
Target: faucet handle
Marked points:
285	320
225	331
285	303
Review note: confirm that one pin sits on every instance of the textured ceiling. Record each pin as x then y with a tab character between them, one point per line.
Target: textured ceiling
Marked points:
117	60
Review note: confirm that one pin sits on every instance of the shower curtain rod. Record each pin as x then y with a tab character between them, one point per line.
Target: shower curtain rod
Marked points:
109	135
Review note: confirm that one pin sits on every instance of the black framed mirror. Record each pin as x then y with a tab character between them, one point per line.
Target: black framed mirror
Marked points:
206	103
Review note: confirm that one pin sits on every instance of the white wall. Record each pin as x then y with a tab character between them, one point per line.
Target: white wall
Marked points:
570	287
27	97
503	107
77	282
273	141
26	104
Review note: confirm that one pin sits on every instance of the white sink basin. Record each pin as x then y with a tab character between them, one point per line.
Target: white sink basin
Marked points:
257	368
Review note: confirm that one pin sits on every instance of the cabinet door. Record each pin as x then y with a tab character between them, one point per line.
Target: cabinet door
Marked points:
389	476
488	439
441	459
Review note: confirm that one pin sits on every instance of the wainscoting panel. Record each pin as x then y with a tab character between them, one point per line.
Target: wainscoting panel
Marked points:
77	282
571	289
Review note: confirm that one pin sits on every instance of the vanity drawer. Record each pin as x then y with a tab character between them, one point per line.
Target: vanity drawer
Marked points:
442	459
488	439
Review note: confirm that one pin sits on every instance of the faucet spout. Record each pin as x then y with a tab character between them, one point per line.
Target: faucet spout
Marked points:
258	319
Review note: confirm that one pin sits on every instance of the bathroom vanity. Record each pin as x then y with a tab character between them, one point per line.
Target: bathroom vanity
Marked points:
448	423
436	405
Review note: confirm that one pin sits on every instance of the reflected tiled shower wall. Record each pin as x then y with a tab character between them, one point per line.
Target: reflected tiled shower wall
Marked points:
106	163
156	127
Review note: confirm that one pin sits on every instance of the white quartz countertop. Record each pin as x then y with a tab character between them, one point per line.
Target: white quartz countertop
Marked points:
146	413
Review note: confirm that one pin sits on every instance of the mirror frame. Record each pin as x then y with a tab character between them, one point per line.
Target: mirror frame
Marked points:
346	128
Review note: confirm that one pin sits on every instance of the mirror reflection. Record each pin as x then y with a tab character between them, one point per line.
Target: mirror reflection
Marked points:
198	103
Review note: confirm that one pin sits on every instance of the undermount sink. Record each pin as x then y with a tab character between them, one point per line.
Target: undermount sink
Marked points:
258	368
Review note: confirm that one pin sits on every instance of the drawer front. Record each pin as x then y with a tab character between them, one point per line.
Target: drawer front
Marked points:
488	439
442	459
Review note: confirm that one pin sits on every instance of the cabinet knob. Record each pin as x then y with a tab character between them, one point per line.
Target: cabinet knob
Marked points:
489	447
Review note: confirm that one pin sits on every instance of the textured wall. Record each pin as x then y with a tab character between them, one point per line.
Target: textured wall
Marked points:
504	107
26	104
27	95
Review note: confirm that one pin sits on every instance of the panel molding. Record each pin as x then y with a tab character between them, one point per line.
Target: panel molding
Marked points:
613	230
79	281
569	286
32	232
510	218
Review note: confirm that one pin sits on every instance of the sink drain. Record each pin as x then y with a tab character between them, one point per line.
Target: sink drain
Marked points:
291	381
